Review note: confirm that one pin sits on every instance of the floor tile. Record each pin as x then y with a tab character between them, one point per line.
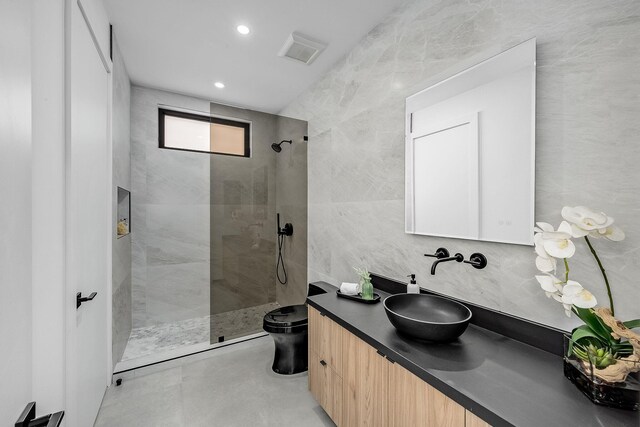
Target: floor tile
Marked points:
234	386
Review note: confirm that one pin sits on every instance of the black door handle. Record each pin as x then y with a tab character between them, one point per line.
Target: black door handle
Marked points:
323	363
80	299
28	418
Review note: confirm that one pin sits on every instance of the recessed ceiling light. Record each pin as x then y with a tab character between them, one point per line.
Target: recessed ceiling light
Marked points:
243	29
219	85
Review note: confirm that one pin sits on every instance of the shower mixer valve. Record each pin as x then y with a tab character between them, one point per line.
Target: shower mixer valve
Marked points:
287	230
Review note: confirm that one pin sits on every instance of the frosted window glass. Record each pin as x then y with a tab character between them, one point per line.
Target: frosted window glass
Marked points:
193	132
186	134
227	139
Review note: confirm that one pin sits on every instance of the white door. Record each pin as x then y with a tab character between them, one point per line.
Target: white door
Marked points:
88	221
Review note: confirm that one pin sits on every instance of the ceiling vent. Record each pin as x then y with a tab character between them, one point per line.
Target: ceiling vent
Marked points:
301	48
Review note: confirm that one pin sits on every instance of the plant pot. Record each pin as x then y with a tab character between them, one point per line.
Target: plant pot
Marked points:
622	395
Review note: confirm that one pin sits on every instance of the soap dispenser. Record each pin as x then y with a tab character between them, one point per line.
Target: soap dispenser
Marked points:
412	287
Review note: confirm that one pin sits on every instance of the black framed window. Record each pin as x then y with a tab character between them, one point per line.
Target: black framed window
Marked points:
179	130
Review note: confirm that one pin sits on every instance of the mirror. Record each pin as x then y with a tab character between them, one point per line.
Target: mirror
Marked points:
470	152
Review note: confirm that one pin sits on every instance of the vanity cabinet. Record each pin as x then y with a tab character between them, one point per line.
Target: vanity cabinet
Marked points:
473	421
326	387
365	381
413	402
358	386
325	364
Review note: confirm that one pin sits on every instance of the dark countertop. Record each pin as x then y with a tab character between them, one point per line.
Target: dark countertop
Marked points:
503	381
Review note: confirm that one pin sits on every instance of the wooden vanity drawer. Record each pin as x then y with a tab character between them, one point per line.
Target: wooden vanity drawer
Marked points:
325	339
326	387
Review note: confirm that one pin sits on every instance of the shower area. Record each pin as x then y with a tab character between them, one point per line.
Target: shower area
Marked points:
208	182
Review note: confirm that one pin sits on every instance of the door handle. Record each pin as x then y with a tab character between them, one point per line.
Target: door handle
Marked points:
28	418
323	363
80	299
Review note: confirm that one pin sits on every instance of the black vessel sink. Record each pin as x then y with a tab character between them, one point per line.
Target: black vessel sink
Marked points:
427	317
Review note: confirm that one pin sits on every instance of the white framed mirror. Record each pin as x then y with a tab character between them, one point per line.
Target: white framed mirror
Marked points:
470	152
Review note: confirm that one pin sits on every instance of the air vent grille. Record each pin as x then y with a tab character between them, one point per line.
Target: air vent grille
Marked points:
301	48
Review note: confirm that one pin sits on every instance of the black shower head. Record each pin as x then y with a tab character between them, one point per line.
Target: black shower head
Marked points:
277	147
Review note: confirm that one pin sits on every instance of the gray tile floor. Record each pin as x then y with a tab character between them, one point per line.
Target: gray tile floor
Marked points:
230	386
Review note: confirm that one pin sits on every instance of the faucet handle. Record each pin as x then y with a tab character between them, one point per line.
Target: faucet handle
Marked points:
477	260
440	253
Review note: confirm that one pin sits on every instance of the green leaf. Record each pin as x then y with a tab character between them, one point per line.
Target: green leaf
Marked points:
583	336
590	319
631	324
583	332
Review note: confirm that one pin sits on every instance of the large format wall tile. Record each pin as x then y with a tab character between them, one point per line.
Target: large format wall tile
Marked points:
121	247
586	144
177	234
121	323
177	291
291	203
169	218
177	177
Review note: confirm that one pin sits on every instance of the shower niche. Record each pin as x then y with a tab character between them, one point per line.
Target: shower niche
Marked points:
123	219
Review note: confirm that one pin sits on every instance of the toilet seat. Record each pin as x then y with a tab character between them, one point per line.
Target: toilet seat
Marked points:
286	320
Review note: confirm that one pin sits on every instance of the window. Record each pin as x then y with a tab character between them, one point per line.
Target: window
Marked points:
194	132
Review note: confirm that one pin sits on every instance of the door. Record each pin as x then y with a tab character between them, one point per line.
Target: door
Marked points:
88	222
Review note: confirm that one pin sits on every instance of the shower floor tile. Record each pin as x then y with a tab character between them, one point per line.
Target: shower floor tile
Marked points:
165	337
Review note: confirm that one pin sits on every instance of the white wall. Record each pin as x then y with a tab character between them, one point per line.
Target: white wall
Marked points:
15	208
587	149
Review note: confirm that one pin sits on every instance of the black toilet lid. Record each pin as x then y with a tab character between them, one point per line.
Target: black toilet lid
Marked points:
291	315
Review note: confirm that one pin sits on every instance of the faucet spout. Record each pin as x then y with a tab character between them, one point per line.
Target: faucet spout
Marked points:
457	257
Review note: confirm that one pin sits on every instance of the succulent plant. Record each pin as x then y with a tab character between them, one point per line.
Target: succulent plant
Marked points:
597	356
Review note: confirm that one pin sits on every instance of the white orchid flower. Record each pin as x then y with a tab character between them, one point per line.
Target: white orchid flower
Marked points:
574	294
612	233
584	220
558	243
550	284
544	262
546	265
542	226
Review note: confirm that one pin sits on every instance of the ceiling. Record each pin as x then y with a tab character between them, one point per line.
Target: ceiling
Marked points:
185	46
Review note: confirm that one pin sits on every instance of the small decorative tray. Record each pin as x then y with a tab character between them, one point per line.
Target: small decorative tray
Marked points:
358	298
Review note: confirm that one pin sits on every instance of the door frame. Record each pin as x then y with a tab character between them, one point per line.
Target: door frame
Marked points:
70	390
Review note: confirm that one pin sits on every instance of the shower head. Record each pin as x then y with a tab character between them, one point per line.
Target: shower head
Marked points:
277	147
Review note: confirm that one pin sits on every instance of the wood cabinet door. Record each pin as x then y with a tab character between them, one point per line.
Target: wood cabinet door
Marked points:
415	403
325	338
314	330
326	387
472	420
365	383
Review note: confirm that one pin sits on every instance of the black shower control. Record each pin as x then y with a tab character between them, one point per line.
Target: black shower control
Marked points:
287	230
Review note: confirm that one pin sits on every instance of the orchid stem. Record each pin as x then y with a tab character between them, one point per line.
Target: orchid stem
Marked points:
606	280
566	270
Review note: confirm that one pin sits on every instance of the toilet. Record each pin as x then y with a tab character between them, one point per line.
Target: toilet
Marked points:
289	328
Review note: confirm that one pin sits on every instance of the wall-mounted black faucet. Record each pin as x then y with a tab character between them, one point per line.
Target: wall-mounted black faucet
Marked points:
457	257
440	253
477	260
